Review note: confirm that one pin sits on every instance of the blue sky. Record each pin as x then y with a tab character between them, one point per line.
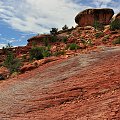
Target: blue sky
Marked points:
22	19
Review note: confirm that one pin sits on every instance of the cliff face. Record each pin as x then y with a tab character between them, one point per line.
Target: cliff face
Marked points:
90	16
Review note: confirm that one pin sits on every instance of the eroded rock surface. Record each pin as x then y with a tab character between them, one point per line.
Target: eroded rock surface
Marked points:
84	87
89	16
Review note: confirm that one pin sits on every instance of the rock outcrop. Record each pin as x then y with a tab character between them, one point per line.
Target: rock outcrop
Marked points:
115	17
118	16
38	40
4	73
88	17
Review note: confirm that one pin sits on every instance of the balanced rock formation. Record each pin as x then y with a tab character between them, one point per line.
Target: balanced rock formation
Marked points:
88	17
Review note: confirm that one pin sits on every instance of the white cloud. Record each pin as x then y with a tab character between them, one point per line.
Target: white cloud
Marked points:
41	15
107	4
2	45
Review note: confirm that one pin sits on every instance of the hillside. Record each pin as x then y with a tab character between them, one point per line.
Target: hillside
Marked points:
79	88
69	74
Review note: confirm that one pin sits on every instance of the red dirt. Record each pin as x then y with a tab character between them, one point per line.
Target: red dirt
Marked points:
83	87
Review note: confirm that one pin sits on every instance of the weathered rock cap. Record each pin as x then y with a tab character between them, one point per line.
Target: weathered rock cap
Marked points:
115	17
118	16
89	16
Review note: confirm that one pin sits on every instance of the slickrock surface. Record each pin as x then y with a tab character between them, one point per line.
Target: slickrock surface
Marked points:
84	87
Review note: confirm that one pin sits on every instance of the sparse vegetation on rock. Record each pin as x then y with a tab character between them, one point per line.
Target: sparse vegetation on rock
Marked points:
88	34
116	41
53	31
65	27
73	46
115	25
12	63
99	34
36	53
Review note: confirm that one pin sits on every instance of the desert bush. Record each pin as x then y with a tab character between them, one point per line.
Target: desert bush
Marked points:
89	42
6	48
9	45
54	39
116	41
13	64
46	41
65	27
115	24
64	39
73	46
86	42
97	25
83	41
54	31
99	34
58	53
39	52
36	53
105	39
46	53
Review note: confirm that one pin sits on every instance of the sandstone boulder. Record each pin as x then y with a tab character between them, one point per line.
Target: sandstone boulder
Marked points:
88	17
115	17
118	16
4	73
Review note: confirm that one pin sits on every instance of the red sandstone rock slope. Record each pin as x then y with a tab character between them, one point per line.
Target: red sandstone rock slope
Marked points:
84	87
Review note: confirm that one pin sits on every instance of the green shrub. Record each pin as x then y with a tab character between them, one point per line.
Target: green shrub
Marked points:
116	41
64	39
54	31
39	52
54	39
59	53
65	27
6	48
83	41
73	46
115	25
12	63
86	42
105	39
99	34
36	53
89	42
46	41
97	25
46	53
9	45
